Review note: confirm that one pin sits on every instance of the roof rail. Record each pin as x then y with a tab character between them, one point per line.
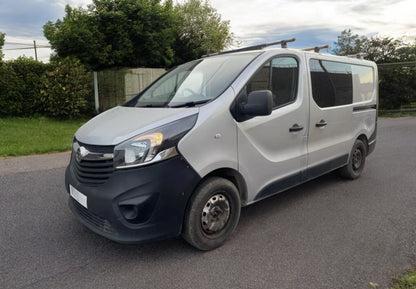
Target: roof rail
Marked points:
283	43
359	55
316	48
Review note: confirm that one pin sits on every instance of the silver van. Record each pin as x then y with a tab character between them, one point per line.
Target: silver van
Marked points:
218	133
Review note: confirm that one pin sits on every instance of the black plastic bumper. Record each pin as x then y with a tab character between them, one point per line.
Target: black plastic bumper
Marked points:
136	205
371	147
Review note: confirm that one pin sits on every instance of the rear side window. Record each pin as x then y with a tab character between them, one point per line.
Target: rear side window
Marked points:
280	76
337	83
363	81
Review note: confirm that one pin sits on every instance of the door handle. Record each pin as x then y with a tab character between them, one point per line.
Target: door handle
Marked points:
295	128
322	123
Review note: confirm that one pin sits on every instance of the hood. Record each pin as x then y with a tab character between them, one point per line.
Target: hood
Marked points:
121	123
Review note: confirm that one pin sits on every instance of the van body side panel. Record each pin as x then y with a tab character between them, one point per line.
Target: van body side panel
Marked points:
332	141
271	158
365	116
268	152
364	123
212	143
329	145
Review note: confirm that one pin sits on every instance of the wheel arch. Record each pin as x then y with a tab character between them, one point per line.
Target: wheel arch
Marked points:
364	139
233	176
192	228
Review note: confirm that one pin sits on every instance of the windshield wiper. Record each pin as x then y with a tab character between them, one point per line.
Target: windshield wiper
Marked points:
190	103
152	105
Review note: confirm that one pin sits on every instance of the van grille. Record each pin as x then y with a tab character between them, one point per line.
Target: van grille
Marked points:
93	171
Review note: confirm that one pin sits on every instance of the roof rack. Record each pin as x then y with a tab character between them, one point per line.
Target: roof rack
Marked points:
359	55
283	44
316	48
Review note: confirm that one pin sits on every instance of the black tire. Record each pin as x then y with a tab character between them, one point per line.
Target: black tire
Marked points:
356	162
212	214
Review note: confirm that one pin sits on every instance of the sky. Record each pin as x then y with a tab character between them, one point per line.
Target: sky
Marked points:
311	22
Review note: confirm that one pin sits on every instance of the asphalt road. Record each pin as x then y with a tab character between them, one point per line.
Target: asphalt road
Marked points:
327	233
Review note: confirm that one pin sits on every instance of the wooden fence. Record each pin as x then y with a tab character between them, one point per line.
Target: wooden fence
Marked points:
116	86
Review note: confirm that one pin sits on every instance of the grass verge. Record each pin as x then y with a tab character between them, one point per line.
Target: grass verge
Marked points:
407	281
26	136
395	114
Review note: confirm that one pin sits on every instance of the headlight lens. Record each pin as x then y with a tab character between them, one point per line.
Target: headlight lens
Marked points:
153	146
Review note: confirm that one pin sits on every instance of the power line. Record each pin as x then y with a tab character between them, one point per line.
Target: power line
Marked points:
397	63
23	44
29	46
21	48
17	43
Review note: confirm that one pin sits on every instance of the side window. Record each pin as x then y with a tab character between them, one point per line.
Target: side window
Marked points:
363	80
331	83
280	76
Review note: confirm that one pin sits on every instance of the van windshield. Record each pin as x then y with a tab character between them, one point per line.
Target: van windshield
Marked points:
195	82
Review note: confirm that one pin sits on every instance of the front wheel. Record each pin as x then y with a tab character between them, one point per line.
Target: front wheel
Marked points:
212	214
356	163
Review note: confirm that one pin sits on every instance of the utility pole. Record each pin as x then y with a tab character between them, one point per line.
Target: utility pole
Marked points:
36	52
96	96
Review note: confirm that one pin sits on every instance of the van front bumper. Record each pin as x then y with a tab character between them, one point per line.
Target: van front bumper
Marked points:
136	205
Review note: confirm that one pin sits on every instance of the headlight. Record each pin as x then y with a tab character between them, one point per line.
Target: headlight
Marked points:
153	146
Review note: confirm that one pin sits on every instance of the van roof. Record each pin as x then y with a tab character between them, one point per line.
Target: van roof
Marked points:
310	50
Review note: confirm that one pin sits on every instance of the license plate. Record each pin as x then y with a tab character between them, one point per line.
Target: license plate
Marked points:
78	196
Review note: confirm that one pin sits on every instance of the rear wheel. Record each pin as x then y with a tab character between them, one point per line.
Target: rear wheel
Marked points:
212	214
356	161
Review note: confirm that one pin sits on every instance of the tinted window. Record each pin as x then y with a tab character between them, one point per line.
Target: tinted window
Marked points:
280	76
331	83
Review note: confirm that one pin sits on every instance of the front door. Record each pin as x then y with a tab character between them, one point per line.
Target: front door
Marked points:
272	150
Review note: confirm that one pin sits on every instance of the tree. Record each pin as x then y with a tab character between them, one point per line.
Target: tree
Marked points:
131	33
348	43
140	33
2	35
377	49
78	34
116	33
407	52
383	49
200	30
396	76
397	86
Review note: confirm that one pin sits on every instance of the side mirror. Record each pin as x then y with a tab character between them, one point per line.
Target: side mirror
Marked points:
258	103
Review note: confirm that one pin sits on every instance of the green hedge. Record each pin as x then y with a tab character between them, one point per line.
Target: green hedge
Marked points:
61	89
10	98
